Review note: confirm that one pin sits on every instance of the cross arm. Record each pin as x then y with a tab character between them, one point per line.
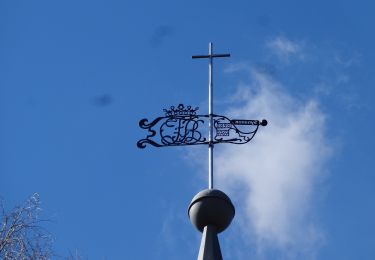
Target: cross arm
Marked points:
210	56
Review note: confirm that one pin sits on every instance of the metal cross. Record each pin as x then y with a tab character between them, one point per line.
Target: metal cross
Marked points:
210	56
181	125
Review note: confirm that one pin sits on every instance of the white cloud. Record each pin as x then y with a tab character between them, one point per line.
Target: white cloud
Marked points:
234	67
347	61
276	176
286	49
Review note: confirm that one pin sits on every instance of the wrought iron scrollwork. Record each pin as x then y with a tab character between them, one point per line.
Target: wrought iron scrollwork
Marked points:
182	126
235	131
179	126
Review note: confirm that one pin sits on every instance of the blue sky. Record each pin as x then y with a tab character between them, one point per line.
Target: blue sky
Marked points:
77	76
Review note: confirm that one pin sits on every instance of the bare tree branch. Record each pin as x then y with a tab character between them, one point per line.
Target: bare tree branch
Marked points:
21	236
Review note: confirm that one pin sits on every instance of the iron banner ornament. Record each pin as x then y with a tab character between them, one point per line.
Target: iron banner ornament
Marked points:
182	126
211	211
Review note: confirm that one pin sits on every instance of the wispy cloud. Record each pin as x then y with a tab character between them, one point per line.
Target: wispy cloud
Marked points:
337	78
349	61
276	176
234	67
173	233
277	181
286	49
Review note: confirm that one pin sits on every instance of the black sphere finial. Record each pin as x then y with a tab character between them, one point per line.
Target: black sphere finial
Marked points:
211	208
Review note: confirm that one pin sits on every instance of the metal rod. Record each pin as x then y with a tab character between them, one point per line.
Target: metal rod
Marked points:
210	56
210	112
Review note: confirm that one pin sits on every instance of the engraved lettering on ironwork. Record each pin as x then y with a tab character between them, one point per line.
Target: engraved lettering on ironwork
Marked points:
179	126
182	125
180	130
244	122
223	125
222	132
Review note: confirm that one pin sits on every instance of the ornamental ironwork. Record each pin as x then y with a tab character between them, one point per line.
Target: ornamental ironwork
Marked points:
181	125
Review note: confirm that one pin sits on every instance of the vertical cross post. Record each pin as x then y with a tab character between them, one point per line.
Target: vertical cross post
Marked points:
210	124
210	56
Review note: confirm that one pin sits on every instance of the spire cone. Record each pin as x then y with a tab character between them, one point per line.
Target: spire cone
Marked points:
211	212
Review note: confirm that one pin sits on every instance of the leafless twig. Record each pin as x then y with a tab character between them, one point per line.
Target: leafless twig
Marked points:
21	236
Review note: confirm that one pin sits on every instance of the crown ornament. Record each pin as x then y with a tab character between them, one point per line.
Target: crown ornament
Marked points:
180	110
